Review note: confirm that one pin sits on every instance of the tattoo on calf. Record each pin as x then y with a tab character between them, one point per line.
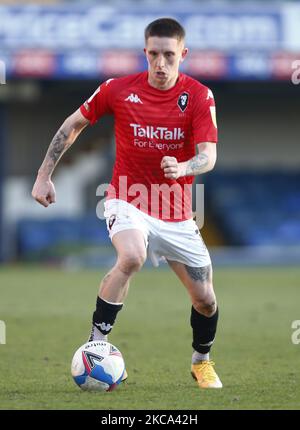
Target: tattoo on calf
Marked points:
199	273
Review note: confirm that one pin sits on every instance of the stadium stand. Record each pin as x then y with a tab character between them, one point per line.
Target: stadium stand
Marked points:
256	208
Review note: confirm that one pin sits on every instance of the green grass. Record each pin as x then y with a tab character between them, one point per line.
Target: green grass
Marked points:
47	314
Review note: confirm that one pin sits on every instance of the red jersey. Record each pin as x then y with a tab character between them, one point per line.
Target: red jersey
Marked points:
150	124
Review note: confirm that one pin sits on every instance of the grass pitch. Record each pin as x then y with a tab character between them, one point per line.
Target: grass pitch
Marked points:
47	314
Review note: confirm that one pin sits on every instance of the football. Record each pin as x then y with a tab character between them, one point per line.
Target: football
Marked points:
97	366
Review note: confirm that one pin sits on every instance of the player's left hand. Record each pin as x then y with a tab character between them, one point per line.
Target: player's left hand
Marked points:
171	167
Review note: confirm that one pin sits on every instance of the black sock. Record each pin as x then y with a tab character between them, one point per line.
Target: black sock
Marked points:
204	330
105	315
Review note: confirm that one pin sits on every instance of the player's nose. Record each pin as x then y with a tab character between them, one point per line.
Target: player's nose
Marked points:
160	61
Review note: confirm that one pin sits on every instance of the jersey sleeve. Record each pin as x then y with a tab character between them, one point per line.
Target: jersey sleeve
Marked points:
204	117
100	103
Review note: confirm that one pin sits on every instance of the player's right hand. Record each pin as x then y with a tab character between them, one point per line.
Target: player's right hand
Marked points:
43	191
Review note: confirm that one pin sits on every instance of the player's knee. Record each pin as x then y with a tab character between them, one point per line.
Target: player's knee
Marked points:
131	263
206	305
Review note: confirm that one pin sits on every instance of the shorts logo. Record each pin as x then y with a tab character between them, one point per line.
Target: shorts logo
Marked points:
111	221
182	102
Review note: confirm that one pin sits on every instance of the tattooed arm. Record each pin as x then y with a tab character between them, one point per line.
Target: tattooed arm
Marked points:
203	162
43	190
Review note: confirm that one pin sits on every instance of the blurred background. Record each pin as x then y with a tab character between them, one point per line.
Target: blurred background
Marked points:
55	54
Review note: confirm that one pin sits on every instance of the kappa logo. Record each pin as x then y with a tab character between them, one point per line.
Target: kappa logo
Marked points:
103	326
133	98
182	101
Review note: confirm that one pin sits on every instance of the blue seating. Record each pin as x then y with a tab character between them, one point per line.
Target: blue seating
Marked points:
255	208
38	238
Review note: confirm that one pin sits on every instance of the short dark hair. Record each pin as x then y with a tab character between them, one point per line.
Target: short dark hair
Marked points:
165	27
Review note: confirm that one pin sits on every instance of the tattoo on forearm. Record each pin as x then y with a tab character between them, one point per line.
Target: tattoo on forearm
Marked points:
201	274
57	146
60	143
196	165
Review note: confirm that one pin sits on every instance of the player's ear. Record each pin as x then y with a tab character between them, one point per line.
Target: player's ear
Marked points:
184	54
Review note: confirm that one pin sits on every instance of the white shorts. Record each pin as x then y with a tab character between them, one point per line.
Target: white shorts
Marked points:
177	241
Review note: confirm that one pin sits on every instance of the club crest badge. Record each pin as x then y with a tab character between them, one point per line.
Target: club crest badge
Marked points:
182	102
